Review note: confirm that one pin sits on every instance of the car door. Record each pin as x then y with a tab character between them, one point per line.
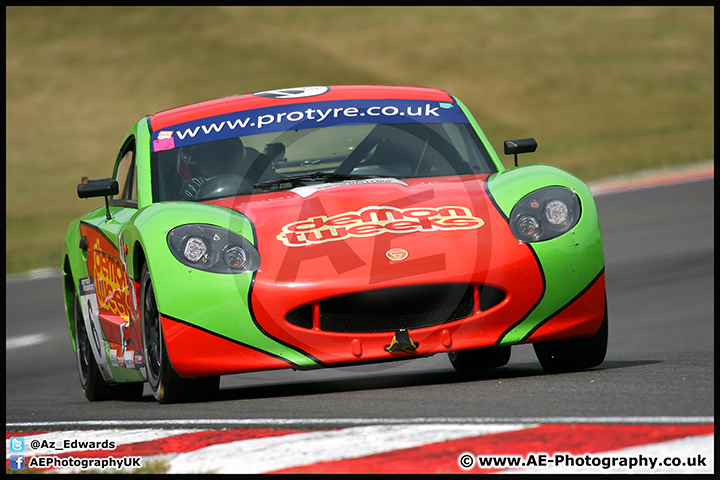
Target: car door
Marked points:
114	312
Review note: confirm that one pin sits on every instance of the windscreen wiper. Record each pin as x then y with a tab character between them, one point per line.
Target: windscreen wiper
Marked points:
310	177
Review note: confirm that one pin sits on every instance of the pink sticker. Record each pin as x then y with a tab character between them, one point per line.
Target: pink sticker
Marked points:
164	144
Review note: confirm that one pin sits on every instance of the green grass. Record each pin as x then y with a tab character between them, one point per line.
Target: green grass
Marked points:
604	90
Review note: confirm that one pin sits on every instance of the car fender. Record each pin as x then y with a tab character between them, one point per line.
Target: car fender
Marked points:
212	302
73	268
583	243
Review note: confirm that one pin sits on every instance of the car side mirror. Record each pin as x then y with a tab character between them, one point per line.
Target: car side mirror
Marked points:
101	187
521	145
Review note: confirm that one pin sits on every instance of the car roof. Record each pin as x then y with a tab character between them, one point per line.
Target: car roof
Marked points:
251	101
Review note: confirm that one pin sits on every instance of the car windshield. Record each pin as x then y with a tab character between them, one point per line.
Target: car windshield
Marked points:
286	159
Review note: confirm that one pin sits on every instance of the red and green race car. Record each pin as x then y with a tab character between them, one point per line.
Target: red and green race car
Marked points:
326	226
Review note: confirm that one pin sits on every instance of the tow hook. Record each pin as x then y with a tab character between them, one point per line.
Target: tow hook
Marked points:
401	341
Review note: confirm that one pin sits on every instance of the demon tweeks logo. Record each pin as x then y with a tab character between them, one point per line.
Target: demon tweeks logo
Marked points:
377	220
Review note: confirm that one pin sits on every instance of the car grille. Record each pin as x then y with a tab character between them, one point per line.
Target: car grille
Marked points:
391	309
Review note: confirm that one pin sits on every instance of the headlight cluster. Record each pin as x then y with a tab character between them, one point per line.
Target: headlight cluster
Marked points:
544	214
212	249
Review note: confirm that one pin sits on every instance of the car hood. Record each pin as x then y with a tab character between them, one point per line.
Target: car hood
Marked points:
374	233
331	240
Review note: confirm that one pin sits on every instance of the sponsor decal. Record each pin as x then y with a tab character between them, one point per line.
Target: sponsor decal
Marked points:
287	93
160	145
397	254
165	141
111	283
114	358
377	220
308	190
106	373
306	115
138	360
89	305
113	293
130	359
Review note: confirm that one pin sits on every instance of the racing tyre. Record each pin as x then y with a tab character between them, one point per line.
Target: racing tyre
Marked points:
479	359
167	386
94	386
560	356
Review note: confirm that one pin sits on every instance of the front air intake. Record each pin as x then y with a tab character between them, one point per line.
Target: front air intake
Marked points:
392	309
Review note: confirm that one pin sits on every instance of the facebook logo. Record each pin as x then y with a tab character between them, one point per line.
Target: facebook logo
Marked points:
17	462
17	444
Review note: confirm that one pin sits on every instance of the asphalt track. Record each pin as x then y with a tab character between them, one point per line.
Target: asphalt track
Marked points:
659	249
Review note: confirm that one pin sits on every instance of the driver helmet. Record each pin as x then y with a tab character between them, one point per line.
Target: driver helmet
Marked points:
210	159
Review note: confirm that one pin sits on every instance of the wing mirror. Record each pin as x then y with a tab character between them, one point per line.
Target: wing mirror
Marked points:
101	187
521	145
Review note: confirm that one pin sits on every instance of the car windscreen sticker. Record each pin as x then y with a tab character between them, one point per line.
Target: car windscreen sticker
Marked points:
306	191
165	141
303	116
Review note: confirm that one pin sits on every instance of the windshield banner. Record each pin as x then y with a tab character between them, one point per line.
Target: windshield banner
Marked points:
305	115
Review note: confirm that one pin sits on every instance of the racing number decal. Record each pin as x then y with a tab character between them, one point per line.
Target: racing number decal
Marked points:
89	306
289	93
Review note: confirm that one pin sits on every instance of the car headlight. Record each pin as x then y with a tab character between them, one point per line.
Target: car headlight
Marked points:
545	214
212	249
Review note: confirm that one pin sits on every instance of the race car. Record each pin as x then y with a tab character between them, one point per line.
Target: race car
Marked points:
326	226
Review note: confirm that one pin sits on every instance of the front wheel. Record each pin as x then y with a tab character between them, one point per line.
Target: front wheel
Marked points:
167	386
560	356
479	359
